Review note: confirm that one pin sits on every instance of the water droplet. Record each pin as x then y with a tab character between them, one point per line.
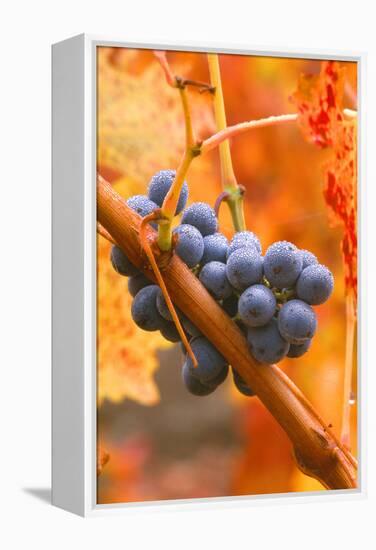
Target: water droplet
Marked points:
352	399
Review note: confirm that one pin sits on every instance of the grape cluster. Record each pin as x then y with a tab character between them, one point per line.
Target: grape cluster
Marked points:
269	296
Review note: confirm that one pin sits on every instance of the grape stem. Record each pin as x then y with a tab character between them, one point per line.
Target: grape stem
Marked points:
347	383
229	183
318	452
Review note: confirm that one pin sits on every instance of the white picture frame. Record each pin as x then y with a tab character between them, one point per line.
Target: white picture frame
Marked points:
74	278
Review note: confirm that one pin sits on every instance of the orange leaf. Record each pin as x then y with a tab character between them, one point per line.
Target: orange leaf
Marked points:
319	100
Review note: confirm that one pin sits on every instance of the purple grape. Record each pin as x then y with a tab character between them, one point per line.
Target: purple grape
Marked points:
201	216
215	249
282	264
121	263
137	282
144	309
159	186
241	385
244	268
210	361
308	258
315	284
170	332
213	277
297	350
193	384
266	343
297	321
190	245
244	239
257	306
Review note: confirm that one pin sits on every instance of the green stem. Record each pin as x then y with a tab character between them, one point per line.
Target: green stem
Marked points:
164	235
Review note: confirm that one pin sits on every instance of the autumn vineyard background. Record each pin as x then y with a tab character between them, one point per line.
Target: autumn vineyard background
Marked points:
161	442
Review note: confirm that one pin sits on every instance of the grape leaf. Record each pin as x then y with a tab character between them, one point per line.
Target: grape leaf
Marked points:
126	354
319	99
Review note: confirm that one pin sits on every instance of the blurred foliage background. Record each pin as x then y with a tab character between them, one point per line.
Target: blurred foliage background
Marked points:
162	442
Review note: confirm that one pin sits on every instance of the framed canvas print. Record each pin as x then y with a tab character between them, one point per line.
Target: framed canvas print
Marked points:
206	336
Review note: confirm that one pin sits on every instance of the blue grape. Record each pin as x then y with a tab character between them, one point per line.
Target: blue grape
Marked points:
308	258
159	186
315	284
266	343
244	239
162	306
144	309
213	277
190	245
201	216
257	306
297	321
121	263
170	332
283	263
193	384
210	361
142	205
137	282
165	313
230	305
297	350
215	248
189	326
220	378
244	268
241	385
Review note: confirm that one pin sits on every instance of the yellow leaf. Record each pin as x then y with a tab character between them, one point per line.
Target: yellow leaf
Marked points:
126	355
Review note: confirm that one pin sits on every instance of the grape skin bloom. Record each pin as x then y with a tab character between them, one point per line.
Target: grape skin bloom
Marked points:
315	284
244	239
213	277
201	216
215	248
159	186
266	343
308	258
244	268
283	263
121	263
144	309
297	321
257	306
190	245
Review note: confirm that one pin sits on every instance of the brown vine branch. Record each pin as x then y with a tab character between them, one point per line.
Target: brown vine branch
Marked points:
318	451
149	252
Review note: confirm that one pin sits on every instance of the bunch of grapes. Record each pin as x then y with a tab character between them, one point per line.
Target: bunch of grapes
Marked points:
269	296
